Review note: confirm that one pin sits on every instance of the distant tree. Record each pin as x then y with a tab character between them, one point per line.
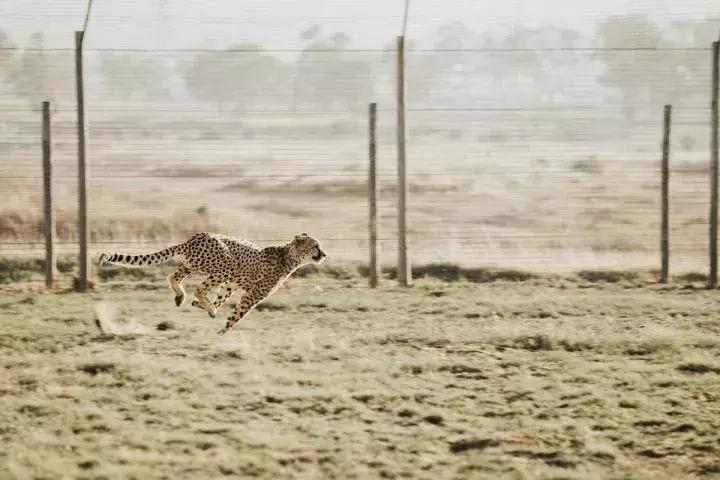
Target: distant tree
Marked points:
311	33
693	66
640	77
447	74
7	63
698	33
241	76
456	73
327	76
40	74
340	40
549	70
132	76
4	41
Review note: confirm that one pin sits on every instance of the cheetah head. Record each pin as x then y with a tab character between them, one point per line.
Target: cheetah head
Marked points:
307	249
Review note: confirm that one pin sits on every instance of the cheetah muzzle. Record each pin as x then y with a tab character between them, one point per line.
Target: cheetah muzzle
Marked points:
229	264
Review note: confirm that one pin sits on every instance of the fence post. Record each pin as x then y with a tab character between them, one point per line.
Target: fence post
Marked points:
82	285
372	194
404	270
50	260
712	278
665	220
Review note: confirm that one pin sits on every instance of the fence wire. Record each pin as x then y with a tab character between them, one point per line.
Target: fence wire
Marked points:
541	157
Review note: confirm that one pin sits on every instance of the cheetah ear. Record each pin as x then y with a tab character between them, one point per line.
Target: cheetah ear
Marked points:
303	234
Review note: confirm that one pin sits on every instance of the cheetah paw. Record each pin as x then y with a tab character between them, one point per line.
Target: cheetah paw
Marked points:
179	299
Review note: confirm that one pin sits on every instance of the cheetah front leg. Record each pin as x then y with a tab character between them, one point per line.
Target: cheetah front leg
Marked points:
201	300
222	297
247	302
215	291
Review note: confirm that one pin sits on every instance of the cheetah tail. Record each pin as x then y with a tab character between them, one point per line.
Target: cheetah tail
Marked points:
140	260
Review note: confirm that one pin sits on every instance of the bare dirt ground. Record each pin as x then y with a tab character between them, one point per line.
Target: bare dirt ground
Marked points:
550	378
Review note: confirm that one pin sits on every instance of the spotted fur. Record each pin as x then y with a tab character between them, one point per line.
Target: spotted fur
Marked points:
230	264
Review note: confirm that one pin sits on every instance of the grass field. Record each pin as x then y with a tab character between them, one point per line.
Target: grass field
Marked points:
549	378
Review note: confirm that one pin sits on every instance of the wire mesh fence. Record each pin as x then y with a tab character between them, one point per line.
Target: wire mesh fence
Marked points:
525	154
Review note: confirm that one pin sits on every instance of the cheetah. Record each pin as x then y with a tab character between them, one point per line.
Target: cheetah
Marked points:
230	264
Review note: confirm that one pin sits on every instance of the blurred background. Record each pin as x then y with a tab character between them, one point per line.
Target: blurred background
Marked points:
534	128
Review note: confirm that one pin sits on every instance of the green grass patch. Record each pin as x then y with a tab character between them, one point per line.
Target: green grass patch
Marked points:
450	272
340	272
487	275
691	277
17	269
108	272
609	276
14	269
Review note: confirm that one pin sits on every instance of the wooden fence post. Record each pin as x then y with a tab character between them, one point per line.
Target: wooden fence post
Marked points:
50	260
404	270
82	285
712	278
665	200
372	194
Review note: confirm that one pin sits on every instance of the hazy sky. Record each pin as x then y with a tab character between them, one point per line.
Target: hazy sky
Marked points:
276	23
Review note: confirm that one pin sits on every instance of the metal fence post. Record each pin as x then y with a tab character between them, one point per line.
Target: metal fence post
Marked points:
404	269
50	260
712	278
82	167
665	220
372	194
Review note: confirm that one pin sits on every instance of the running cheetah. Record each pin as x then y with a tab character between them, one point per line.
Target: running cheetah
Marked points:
229	262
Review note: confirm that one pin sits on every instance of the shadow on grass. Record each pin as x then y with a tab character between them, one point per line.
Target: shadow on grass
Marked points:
23	269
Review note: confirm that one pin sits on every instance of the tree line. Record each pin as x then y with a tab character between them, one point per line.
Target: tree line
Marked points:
545	66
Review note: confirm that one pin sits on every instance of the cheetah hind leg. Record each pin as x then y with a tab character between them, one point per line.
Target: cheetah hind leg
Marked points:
175	280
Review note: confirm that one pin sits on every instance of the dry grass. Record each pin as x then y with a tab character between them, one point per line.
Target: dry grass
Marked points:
16	226
545	378
555	206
